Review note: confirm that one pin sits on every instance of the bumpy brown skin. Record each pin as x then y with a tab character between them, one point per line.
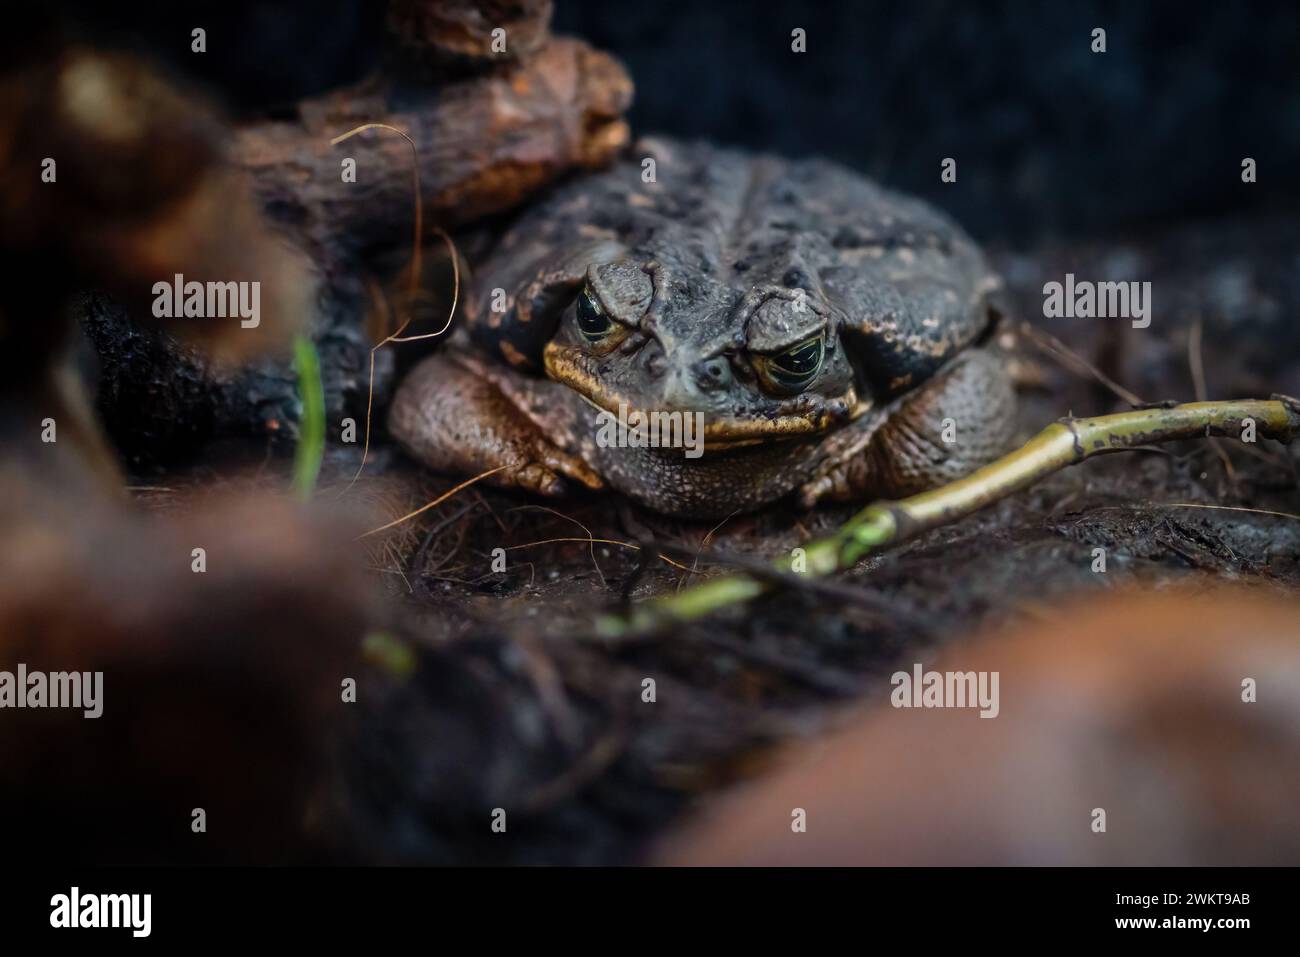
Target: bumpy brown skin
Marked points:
702	276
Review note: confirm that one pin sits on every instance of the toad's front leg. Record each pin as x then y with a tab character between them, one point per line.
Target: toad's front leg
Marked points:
961	419
452	417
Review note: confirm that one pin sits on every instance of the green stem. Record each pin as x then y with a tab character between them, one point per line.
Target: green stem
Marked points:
1063	443
311	425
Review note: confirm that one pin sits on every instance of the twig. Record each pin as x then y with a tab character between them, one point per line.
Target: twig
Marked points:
1232	508
704	543
1196	362
1067	356
1063	443
774	575
413	277
594	541
417	563
436	502
568	518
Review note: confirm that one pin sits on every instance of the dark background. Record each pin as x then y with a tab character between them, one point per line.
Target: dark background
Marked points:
1051	139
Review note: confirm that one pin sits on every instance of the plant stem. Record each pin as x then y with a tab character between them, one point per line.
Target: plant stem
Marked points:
1063	443
311	426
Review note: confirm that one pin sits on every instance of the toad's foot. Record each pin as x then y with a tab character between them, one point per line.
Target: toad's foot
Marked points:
454	420
960	420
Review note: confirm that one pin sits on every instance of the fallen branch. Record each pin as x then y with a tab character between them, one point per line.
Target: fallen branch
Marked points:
484	145
1063	443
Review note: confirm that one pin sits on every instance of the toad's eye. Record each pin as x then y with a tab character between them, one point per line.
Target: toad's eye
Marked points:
592	321
791	371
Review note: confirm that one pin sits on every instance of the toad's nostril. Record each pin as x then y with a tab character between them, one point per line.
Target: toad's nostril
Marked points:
713	373
655	363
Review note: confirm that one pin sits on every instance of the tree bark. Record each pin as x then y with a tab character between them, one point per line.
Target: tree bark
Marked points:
485	145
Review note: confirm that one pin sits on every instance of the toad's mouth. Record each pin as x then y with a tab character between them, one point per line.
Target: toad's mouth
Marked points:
718	431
